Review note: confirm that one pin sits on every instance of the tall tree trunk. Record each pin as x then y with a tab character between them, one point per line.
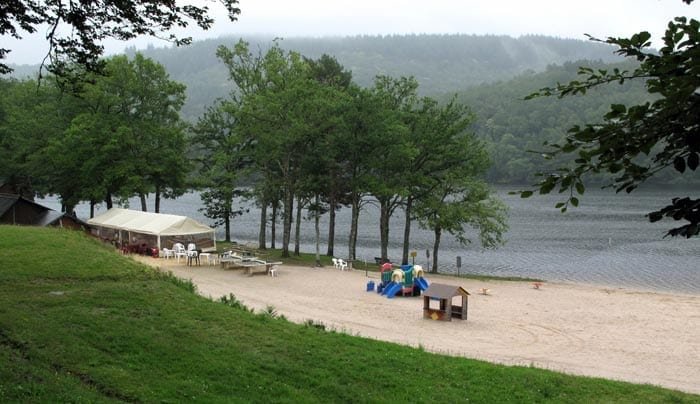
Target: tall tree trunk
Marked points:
436	247
262	242
142	196
317	225
354	220
273	225
69	209
297	228
108	200
384	217
157	199
227	224
287	223
407	231
331	225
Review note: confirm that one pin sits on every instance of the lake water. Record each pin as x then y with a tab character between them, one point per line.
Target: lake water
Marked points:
606	241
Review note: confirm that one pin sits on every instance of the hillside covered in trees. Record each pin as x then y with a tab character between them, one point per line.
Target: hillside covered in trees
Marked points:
515	128
440	63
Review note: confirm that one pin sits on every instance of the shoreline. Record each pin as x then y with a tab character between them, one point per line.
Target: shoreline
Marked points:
607	241
592	330
601	285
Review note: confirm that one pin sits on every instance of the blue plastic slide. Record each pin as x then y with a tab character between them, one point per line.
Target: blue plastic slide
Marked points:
421	283
392	289
386	287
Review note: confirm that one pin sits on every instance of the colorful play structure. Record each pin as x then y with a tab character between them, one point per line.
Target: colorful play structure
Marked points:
406	280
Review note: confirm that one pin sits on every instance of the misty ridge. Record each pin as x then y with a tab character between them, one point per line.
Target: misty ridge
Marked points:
441	63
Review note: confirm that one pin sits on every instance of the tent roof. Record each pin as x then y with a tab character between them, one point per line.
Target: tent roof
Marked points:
149	223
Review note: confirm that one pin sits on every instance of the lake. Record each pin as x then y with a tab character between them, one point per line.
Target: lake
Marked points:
607	240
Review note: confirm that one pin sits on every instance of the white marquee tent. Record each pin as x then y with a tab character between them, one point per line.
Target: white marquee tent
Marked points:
155	229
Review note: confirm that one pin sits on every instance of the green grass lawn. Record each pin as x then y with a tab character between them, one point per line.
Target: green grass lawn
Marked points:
80	323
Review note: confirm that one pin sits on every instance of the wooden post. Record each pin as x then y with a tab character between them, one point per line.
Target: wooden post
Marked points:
465	302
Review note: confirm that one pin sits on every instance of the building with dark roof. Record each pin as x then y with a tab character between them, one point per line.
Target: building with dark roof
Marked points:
18	210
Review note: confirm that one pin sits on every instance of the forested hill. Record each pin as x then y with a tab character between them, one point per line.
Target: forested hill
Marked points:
441	63
514	127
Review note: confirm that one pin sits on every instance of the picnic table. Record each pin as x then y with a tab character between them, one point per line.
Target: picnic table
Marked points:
253	265
235	261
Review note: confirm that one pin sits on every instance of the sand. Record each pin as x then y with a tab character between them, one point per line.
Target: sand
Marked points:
622	334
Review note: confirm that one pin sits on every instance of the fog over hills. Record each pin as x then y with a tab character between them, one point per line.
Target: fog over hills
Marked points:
440	63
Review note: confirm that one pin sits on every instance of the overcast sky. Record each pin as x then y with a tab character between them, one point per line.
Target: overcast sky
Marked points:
284	18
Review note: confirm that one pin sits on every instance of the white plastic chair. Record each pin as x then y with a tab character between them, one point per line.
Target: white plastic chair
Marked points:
335	263
342	264
179	251
191	247
192	257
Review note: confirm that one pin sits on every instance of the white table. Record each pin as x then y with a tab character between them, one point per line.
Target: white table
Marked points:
211	258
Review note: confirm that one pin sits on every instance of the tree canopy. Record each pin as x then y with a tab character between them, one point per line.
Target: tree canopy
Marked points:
636	143
121	135
75	29
321	141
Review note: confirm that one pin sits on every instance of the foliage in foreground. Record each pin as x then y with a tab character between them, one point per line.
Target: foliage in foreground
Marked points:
75	30
80	323
635	143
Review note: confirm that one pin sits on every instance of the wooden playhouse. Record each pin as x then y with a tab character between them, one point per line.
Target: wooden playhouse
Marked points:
444	294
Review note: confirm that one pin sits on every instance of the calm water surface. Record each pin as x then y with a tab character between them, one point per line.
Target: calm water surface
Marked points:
607	240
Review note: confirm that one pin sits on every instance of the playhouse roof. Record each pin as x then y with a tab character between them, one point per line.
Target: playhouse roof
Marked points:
149	223
443	291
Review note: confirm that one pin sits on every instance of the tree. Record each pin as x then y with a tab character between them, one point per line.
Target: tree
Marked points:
448	188
32	119
247	71
130	136
368	123
327	71
460	201
637	143
435	133
390	170
282	109
221	164
75	29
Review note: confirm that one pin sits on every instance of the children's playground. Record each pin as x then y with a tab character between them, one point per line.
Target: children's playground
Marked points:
404	280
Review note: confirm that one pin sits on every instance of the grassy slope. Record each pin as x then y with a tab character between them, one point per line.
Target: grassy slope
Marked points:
80	323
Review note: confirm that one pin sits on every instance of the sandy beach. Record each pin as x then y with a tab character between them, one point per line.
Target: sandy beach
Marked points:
636	336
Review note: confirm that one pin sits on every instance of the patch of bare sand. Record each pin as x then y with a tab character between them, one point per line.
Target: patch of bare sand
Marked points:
641	337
